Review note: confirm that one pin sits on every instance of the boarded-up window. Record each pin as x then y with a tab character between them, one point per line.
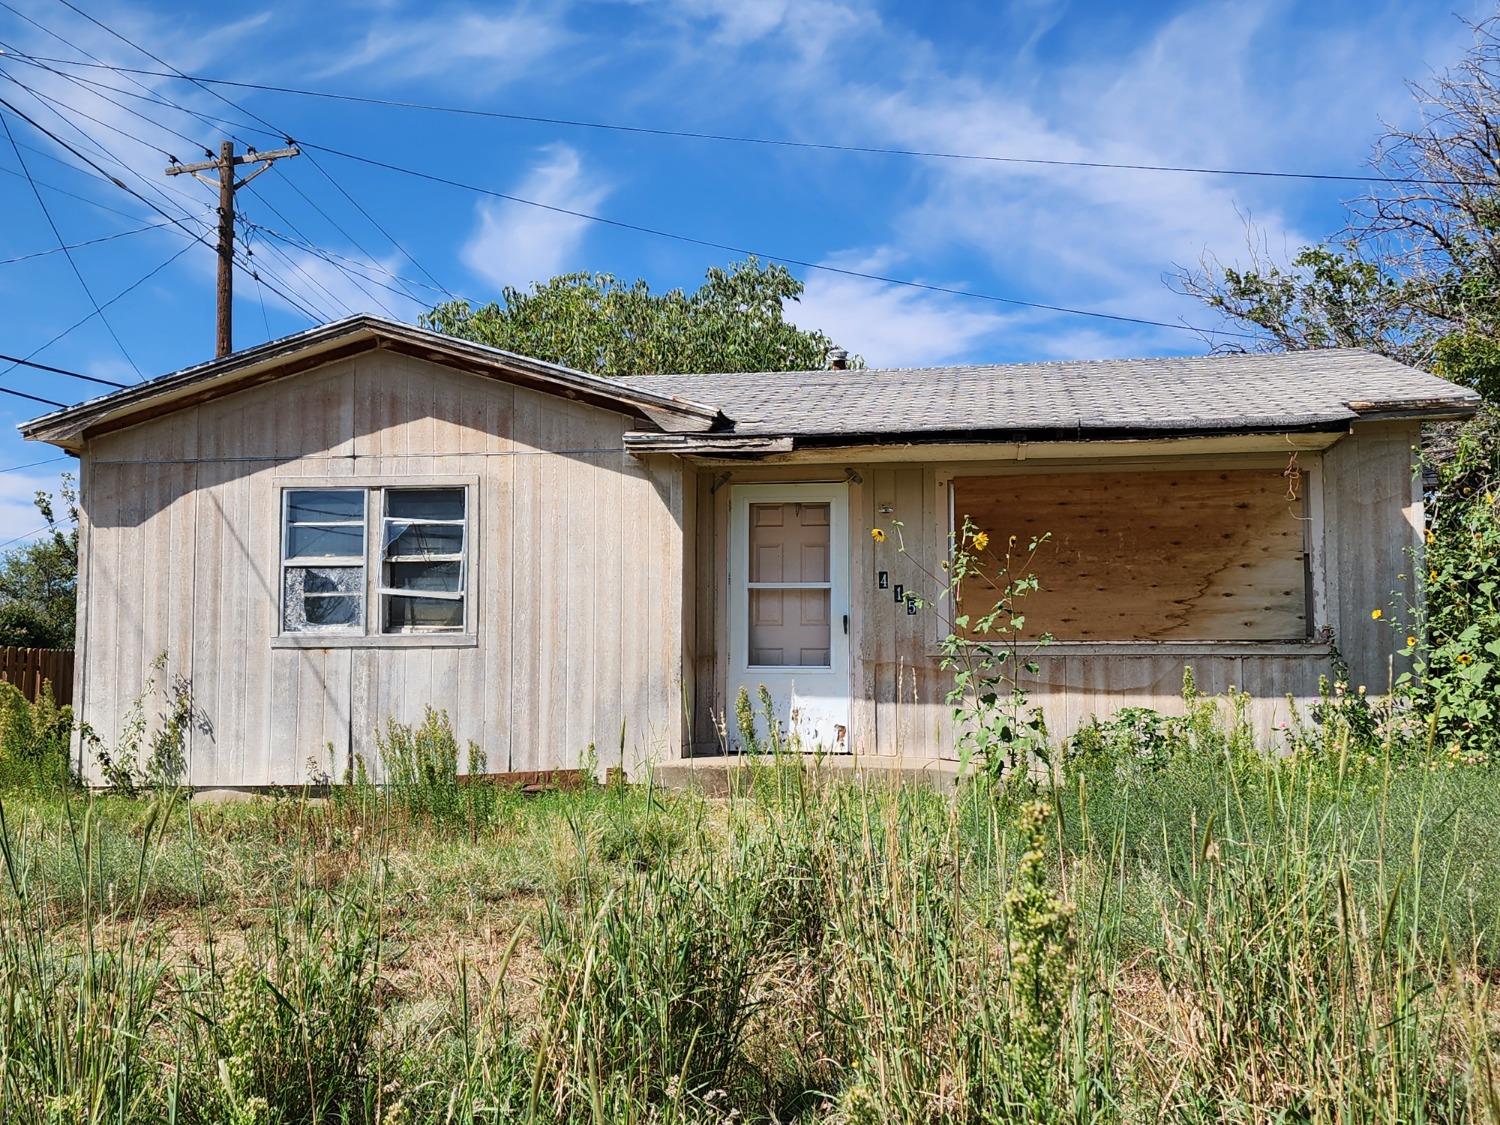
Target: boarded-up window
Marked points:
1187	555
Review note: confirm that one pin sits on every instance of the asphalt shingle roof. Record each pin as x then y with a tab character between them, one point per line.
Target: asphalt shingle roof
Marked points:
1195	394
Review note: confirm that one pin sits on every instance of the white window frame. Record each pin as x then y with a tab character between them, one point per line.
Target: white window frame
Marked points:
383	590
370	633
336	562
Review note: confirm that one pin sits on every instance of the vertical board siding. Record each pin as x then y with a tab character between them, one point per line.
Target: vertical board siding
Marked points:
577	576
1369	523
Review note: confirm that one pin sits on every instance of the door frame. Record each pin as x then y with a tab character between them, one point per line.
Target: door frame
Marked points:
840	667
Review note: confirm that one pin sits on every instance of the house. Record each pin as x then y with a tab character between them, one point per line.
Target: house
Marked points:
358	521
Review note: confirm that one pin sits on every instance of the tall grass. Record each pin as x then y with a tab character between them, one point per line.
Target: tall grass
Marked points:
1215	937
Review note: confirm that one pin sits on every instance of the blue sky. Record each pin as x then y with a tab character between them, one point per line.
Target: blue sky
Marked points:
1247	84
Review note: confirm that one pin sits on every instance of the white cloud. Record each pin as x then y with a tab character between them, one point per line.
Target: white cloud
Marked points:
1219	84
808	28
476	49
893	325
515	244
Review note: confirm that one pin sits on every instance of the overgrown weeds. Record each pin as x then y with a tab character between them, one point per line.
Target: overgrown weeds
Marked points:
1208	936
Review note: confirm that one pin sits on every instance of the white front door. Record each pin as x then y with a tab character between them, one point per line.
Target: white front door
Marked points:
789	612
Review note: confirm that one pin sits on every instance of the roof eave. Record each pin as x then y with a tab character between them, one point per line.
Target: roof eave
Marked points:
68	428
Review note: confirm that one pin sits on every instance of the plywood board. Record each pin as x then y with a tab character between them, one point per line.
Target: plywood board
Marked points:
1168	555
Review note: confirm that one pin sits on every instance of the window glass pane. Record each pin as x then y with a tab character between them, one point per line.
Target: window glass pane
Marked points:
444	576
322	598
425	503
789	627
312	541
324	505
424	613
330	579
331	611
423	539
789	542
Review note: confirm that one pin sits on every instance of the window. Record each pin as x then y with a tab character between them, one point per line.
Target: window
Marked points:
1151	555
422	565
419	562
323	561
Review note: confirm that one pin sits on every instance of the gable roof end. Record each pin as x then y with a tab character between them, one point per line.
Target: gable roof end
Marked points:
329	343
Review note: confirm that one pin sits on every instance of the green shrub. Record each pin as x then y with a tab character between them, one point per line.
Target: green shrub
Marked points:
152	753
422	775
34	739
1454	639
1136	742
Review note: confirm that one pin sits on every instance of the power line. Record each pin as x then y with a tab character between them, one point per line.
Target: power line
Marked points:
786	259
275	283
62	109
78	245
62	371
195	236
34	464
84	320
88	116
96	59
182	75
345	263
63	191
777	142
376	224
33	398
32	534
67	253
662	233
291	183
85	86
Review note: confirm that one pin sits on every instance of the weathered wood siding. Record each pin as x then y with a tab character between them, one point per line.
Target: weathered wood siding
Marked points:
578	580
1364	518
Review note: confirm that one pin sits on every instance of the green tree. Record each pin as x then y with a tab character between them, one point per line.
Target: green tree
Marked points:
734	321
1415	274
39	581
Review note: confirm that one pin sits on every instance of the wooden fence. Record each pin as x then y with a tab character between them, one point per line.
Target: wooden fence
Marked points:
28	668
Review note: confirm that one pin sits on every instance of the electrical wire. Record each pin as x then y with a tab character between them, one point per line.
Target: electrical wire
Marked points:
206	82
57	105
182	75
62	371
97	61
63	191
34	464
68	254
33	398
786	259
57	524
85	86
196	236
79	323
78	245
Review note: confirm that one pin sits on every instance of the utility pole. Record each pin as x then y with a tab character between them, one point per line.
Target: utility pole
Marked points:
227	185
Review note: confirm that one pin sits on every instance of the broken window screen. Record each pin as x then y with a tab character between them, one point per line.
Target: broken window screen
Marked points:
422	560
789	587
1165	555
323	560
